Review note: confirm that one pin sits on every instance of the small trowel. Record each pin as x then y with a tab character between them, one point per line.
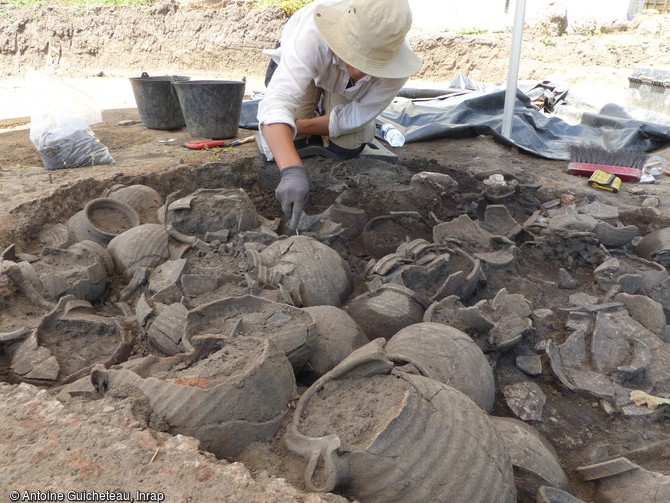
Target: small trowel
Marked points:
199	145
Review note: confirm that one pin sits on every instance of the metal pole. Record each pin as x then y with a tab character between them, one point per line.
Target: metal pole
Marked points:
513	73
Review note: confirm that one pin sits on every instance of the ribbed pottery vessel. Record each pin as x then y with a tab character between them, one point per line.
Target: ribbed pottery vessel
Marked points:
655	246
386	311
80	270
447	355
227	393
426	445
101	220
313	273
143	246
142	198
212	210
291	329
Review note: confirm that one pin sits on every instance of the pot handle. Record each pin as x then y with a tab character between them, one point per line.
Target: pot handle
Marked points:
324	456
327	452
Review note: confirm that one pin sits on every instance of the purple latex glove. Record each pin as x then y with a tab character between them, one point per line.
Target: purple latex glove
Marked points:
292	192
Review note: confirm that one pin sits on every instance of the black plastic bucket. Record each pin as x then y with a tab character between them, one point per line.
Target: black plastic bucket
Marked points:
157	101
211	107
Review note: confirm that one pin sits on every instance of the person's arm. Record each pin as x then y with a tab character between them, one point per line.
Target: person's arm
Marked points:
301	59
293	187
279	137
316	126
368	105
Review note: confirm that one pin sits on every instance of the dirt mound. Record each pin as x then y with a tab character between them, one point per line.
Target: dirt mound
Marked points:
172	38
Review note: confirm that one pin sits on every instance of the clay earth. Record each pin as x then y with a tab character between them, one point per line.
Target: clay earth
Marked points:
224	41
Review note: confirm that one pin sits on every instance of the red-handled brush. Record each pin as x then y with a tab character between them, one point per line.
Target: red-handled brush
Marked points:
626	164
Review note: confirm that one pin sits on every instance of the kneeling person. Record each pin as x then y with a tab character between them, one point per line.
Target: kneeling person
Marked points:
351	56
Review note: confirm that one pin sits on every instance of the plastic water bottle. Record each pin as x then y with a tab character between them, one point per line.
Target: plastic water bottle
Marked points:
655	165
394	137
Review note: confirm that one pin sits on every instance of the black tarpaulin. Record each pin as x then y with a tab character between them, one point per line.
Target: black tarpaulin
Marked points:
475	113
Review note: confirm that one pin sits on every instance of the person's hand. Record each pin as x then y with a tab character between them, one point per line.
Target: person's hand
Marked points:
292	192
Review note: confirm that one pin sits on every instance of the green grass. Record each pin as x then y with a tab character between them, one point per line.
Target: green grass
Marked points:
547	40
471	31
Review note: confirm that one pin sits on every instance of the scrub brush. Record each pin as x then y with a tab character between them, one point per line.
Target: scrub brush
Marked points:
626	164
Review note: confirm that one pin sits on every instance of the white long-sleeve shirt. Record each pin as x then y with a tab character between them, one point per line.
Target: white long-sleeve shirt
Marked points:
304	56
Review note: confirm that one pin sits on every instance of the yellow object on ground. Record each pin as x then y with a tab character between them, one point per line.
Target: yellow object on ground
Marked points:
641	398
606	181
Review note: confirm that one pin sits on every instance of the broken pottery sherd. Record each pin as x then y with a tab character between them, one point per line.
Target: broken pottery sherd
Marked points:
615	236
351	219
388	263
80	270
227	393
600	210
536	223
645	311
142	310
313	273
212	210
499	221
397	437
607	468
618	351
423	279
655	246
450	311
163	281
14	335
77	336
512	317
387	310
418	249
142	198
290	328
167	330
548	494
526	400
431	274
101	220
497	188
57	236
464	232
468	268
529	364
567	218
34	362
142	246
535	461
496	259
337	335
23	276
382	234
447	355
607	273
627	352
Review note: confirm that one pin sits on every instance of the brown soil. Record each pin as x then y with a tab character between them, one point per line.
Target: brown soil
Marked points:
109	220
77	344
356	410
234	358
167	38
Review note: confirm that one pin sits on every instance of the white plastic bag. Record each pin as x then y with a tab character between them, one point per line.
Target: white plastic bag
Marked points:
59	124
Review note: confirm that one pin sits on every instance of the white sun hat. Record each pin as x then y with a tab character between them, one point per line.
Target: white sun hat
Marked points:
370	35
